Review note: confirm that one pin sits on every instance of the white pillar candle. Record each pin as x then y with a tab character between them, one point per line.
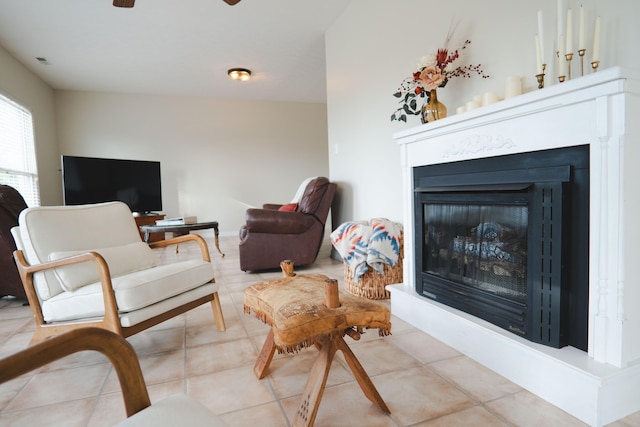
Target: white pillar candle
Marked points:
461	109
489	98
540	34
538	56
472	105
581	44
512	87
569	35
596	41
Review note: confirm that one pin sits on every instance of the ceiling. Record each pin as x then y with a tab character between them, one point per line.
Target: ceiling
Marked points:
174	47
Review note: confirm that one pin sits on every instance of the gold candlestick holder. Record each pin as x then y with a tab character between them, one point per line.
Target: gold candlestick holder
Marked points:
595	65
581	52
569	57
540	77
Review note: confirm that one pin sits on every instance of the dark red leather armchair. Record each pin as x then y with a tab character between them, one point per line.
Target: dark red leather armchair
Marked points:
271	235
11	204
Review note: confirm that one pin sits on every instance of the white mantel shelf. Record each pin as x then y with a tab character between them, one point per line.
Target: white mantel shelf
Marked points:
601	110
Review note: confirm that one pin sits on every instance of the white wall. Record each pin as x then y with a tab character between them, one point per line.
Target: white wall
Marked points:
24	87
374	45
218	157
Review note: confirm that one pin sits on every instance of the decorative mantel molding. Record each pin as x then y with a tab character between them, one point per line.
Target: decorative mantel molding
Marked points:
478	143
603	384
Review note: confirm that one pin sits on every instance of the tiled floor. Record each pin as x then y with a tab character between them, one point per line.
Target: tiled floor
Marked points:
424	382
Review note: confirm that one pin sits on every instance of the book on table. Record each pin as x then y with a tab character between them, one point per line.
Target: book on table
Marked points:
182	220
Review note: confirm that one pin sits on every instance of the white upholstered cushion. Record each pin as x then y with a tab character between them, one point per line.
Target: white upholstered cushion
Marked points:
133	291
120	259
176	410
47	229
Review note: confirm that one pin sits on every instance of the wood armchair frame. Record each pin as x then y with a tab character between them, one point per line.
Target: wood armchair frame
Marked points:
119	352
111	319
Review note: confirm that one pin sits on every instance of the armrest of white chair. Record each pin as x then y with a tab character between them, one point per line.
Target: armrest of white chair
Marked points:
204	248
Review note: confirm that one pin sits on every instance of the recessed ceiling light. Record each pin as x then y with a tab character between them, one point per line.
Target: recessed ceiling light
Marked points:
241	74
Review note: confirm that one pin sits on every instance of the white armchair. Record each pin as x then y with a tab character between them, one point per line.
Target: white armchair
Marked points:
87	266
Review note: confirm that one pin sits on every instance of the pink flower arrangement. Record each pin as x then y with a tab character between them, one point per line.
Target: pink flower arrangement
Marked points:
433	71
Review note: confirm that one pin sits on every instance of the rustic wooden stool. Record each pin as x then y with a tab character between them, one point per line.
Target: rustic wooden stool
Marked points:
307	310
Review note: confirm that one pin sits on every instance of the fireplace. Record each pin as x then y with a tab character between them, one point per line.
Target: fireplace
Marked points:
506	239
596	112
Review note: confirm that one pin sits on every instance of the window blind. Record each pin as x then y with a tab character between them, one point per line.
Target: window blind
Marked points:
17	147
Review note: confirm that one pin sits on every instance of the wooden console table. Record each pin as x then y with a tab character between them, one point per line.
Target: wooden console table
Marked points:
182	229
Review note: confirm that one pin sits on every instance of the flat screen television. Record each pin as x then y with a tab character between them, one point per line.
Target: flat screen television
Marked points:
95	180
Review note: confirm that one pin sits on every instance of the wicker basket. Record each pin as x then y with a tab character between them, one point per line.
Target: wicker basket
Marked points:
371	284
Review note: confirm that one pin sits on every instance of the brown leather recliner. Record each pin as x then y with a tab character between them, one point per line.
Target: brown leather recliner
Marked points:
271	235
11	204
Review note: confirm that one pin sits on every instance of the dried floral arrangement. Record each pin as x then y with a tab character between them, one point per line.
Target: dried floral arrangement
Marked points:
433	71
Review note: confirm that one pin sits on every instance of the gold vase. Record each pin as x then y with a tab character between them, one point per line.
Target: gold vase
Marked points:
434	109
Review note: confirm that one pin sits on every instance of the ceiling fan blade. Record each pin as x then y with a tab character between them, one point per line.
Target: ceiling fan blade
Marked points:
231	2
125	3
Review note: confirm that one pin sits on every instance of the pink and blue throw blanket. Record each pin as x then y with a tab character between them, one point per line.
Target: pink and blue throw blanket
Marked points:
367	244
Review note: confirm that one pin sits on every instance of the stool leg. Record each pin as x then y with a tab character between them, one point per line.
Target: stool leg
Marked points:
361	376
265	356
312	394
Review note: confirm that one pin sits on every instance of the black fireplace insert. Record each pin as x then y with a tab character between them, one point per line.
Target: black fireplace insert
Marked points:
506	239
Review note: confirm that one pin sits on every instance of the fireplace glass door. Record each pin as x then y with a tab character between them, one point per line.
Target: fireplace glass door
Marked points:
482	246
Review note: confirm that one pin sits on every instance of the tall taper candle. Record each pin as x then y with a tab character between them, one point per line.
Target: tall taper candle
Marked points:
540	35
581	44
561	58
538	56
561	21
596	42
569	34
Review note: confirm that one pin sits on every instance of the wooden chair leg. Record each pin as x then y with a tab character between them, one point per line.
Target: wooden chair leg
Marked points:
217	313
361	376
312	394
265	356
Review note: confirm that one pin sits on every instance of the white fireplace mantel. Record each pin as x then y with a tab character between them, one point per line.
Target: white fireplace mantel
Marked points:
601	110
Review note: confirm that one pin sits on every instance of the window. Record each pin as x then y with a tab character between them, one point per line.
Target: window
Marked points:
18	159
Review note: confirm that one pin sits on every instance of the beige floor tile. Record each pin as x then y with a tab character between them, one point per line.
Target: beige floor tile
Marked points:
109	411
343	405
15	343
11	325
475	416
10	389
267	415
82	358
525	409
208	334
230	390
45	388
380	356
481	383
418	394
156	369
217	357
68	414
632	420
423	347
288	375
158	341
